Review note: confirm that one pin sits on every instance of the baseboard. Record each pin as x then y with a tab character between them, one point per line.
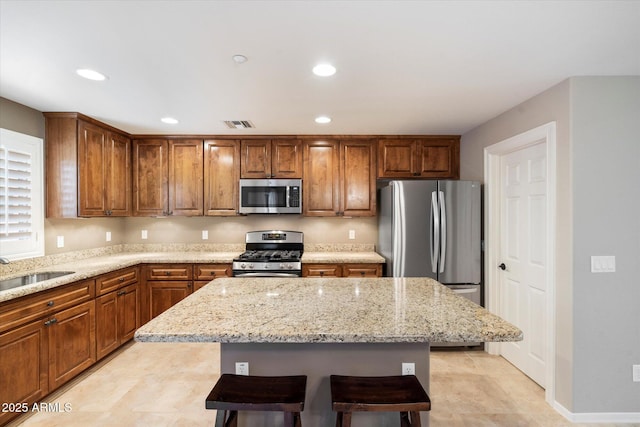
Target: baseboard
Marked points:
598	417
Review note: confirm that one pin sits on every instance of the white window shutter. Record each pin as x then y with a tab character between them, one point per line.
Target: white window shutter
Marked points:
21	195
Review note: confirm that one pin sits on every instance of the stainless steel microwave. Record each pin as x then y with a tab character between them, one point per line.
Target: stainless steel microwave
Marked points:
270	196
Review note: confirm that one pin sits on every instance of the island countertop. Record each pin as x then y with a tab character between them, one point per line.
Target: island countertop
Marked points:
326	310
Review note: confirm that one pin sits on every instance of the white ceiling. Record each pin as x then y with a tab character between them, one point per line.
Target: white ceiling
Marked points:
404	67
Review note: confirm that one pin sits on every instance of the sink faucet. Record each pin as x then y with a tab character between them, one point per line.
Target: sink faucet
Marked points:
4	260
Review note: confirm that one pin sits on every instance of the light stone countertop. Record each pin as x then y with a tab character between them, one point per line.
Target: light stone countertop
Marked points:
86	267
309	310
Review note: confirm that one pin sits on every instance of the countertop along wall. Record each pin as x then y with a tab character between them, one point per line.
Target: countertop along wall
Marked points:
598	200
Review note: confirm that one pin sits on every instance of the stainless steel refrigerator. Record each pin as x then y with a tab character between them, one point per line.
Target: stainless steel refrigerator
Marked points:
432	229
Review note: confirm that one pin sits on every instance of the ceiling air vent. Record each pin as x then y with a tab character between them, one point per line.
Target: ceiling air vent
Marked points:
239	124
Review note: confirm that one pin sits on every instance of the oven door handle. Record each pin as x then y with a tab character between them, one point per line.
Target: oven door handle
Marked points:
265	274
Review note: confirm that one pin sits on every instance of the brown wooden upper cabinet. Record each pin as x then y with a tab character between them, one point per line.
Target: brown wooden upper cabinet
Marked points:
88	168
266	158
168	177
420	157
339	178
221	177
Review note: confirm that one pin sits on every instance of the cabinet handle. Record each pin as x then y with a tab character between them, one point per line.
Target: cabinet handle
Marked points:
362	273
50	303
121	279
189	284
168	273
321	273
121	293
50	322
213	273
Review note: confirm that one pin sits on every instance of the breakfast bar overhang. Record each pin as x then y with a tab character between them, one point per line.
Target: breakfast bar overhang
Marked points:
318	327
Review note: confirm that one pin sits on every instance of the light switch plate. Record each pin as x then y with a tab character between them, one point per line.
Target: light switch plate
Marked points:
352	234
108	236
636	373
60	241
144	234
205	234
603	264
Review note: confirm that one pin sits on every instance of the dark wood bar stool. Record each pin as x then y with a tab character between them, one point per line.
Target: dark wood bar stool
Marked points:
233	393
402	394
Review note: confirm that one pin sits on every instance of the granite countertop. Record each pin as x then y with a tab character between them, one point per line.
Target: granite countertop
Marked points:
84	267
306	310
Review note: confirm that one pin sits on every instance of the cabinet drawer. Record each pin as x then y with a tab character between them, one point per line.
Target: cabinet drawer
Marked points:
169	272
22	310
321	270
361	270
212	271
111	281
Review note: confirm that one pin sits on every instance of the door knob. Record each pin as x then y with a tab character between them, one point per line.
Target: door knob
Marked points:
502	266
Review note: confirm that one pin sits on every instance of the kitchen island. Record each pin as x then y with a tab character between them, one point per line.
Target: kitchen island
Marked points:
318	327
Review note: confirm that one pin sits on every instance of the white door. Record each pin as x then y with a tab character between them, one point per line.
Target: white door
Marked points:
523	245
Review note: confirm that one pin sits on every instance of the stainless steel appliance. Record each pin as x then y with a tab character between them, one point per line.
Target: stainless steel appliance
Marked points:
270	196
432	229
270	253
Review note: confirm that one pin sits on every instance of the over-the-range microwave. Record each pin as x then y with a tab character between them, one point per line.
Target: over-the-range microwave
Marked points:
270	196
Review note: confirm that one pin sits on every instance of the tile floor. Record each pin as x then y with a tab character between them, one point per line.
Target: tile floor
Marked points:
138	386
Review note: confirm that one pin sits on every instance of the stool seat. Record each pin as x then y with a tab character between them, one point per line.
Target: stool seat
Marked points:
234	393
402	393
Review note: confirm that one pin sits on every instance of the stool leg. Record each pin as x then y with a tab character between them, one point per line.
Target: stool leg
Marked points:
404	420
415	419
289	419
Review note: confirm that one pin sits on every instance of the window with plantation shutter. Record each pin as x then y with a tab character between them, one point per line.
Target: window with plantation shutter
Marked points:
21	196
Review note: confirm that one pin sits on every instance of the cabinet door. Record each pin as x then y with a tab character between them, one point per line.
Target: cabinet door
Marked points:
185	177
438	158
357	178
286	158
321	180
221	177
164	295
106	324
128	312
118	178
256	158
72	343
23	366
92	161
150	177
396	158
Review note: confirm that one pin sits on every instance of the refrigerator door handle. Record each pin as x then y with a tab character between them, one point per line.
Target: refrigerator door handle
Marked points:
435	232
399	238
443	228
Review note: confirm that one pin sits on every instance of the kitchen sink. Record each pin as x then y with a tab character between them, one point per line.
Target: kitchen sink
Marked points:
28	279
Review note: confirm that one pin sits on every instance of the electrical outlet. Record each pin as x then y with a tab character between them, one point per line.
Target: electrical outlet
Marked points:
60	241
636	373
408	368
603	264
144	234
242	368
352	234
205	234
108	236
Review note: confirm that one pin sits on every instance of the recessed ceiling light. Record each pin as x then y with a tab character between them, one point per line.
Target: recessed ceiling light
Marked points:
323	120
90	74
324	70
169	120
239	59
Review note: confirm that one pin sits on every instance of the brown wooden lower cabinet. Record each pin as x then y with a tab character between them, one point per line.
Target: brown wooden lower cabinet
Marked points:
72	338
205	273
164	295
23	368
117	318
342	270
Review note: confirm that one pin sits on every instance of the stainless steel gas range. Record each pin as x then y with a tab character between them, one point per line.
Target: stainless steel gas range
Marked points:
271	253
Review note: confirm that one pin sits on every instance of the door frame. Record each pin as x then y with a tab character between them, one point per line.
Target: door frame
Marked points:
544	134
